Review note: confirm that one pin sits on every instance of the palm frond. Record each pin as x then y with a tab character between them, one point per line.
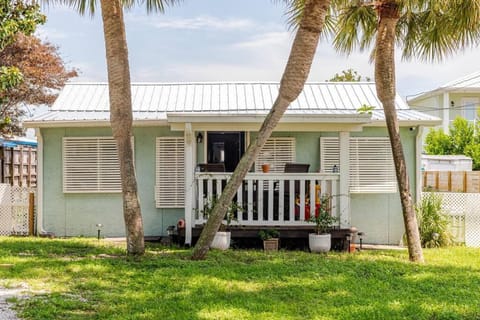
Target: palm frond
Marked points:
356	27
91	6
440	28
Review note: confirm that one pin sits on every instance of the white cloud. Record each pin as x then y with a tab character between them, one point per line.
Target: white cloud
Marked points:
267	39
196	23
53	34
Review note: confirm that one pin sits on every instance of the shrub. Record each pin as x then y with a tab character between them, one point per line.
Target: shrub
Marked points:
433	223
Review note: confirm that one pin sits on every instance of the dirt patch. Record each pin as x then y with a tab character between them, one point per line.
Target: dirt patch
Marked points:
6	311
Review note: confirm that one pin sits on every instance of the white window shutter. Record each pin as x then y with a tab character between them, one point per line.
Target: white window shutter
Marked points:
170	172
371	163
90	164
373	169
329	154
276	152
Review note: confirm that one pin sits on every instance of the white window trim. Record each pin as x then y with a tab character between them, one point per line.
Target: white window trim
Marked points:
277	151
90	165
170	172
371	163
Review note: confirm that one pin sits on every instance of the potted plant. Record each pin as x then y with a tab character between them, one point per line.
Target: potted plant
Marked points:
321	240
270	239
223	236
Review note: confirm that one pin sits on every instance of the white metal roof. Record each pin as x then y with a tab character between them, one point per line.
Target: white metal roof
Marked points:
468	83
154	101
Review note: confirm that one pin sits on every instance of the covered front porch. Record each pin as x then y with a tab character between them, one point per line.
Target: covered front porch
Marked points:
280	200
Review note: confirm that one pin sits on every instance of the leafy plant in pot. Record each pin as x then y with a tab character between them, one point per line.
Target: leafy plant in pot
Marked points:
321	240
270	239
223	236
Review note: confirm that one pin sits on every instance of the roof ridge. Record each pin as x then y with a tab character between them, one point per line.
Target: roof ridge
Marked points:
80	83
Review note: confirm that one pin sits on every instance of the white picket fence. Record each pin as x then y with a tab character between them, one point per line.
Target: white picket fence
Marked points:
14	210
464	211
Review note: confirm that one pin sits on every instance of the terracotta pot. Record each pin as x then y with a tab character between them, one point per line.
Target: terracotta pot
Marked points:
265	167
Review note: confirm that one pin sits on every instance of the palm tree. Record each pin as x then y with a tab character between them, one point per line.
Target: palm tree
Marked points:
291	85
429	29
121	105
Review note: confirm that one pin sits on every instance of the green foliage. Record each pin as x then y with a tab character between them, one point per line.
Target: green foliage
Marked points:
473	151
323	219
365	109
18	16
15	17
230	216
9	77
437	142
268	234
349	75
89	279
461	135
464	138
433	223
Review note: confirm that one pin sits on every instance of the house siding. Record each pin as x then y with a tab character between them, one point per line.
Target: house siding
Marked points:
77	214
378	215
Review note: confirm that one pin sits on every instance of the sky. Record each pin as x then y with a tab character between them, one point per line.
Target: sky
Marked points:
222	40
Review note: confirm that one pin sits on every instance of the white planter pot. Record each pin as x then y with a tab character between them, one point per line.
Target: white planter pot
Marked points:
221	240
320	242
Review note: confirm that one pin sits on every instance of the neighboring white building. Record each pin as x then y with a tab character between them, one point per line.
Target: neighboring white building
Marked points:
460	97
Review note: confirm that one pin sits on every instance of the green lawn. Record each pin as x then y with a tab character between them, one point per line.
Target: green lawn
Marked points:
90	279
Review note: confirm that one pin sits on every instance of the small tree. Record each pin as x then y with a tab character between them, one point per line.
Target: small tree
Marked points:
16	17
349	75
43	73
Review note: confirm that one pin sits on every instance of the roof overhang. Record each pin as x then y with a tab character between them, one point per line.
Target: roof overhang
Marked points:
252	122
407	123
442	90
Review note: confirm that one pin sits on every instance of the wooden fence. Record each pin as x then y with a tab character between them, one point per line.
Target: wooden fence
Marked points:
452	181
18	166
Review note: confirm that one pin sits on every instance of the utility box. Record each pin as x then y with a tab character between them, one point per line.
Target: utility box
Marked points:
446	163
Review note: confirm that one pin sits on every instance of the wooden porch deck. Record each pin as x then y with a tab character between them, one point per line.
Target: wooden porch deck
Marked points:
298	233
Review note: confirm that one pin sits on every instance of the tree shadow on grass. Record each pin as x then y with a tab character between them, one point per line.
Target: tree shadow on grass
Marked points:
246	285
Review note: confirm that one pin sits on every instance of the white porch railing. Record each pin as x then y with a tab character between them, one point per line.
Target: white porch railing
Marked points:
272	199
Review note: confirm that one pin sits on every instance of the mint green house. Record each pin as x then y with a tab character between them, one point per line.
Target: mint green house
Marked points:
183	130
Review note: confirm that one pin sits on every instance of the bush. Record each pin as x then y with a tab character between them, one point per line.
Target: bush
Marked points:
433	223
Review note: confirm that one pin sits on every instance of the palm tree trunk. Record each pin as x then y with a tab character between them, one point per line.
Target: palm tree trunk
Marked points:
385	84
291	85
121	119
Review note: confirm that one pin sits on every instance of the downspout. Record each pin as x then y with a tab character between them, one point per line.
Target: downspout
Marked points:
40	230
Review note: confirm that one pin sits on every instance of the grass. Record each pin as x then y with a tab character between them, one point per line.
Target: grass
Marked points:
90	279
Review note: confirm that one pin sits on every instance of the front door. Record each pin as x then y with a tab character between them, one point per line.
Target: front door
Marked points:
226	148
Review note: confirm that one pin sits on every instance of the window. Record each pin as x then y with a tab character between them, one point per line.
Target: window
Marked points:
276	152
90	165
371	163
470	106
170	172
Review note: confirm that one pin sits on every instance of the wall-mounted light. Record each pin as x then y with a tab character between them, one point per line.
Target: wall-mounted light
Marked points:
452	103
199	137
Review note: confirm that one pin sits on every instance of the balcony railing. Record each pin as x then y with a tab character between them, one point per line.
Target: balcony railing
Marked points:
272	199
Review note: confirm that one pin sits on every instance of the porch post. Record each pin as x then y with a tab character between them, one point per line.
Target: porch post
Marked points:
189	181
345	218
